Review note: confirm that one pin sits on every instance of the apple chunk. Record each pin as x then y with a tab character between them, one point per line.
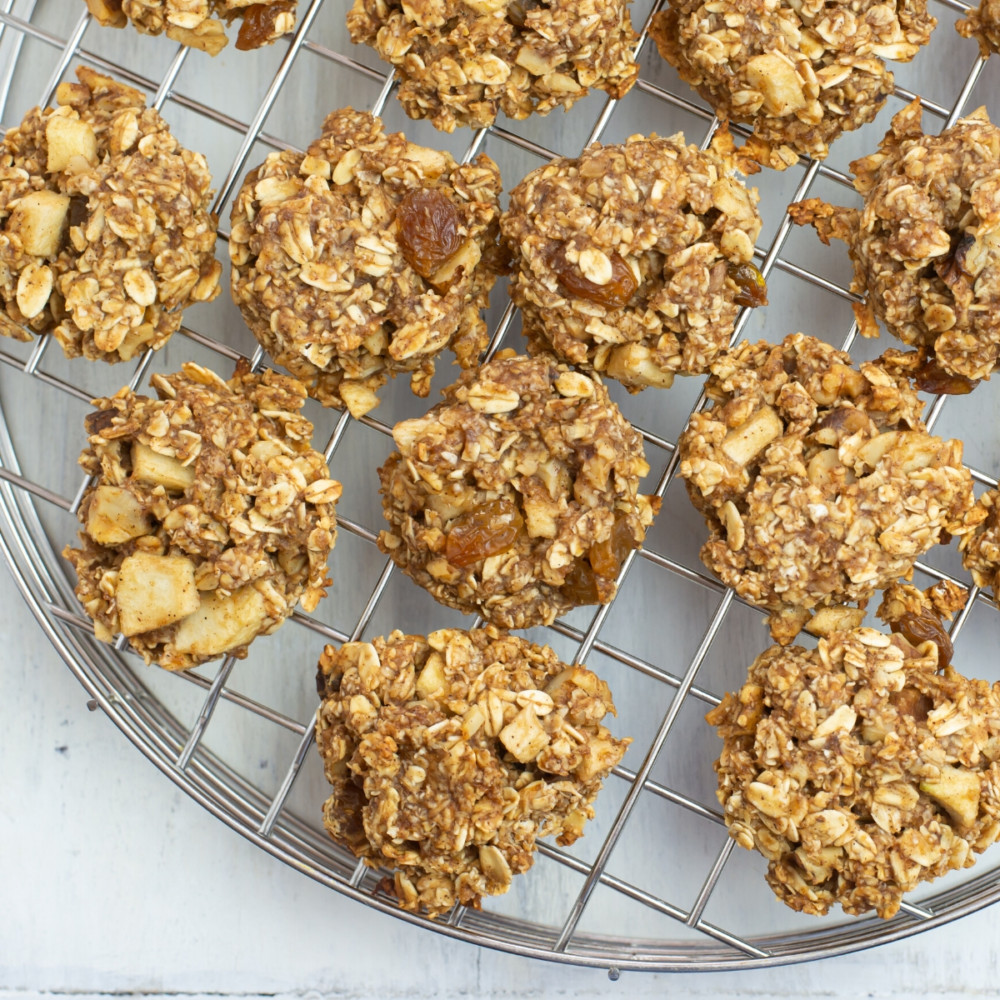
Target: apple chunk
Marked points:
39	220
154	591
149	466
222	622
115	516
71	142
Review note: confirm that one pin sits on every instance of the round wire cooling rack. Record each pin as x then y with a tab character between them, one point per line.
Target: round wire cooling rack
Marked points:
656	883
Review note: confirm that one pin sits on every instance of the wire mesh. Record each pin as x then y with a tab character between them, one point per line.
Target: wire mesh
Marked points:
656	883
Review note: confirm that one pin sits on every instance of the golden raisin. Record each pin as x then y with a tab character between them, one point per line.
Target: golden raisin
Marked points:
931	377
592	581
614	294
919	626
913	703
484	531
428	230
257	28
750	282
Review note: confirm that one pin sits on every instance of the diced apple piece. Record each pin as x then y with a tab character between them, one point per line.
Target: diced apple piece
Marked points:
108	12
745	442
154	591
222	623
957	790
69	140
149	466
115	516
39	219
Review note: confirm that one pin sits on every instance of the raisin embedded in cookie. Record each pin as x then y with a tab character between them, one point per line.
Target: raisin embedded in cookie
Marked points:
461	62
926	244
365	258
517	497
633	260
798	75
817	480
864	767
198	23
450	755
105	229
210	516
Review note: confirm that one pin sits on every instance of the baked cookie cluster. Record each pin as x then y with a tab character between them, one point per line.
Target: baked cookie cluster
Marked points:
983	24
199	23
799	74
365	257
209	517
925	245
105	229
633	260
817	480
450	755
864	767
462	62
516	498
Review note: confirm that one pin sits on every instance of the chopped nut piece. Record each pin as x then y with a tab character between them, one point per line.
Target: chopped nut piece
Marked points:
518	511
349	283
198	23
211	516
628	257
448	782
836	485
105	232
798	74
859	769
463	63
933	283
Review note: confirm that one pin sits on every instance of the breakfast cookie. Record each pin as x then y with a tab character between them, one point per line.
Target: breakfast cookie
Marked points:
105	229
209	518
450	755
797	74
983	24
461	62
517	497
198	23
925	246
364	258
864	767
634	260
817	480
981	548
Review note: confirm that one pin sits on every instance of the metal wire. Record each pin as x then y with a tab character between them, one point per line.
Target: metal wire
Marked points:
119	685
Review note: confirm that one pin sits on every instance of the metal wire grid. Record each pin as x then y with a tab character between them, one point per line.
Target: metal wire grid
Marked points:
116	683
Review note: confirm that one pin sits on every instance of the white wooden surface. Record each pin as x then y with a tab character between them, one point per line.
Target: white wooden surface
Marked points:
112	881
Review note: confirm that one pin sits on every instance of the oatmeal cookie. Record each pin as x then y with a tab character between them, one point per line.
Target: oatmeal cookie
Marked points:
926	244
364	258
461	62
817	480
517	497
981	548
197	22
863	767
798	74
450	755
983	24
105	233
210	515
633	260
